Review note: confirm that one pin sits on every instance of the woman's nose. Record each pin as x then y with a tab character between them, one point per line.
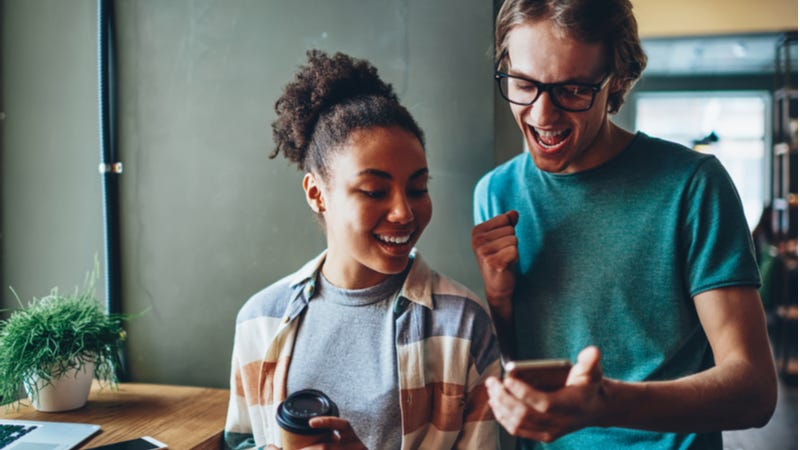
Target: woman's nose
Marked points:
400	211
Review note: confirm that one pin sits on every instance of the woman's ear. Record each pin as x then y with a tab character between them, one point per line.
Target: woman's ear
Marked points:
314	195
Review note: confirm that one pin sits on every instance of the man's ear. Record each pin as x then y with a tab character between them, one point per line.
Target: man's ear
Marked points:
314	195
617	84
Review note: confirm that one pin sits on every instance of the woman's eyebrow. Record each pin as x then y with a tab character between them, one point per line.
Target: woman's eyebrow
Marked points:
376	173
388	176
419	173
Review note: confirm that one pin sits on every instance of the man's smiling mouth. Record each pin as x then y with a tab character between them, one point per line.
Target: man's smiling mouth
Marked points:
550	138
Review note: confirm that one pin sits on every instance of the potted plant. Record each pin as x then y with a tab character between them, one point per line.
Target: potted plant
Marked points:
55	345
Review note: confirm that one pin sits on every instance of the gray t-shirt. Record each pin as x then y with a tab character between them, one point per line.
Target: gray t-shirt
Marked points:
345	347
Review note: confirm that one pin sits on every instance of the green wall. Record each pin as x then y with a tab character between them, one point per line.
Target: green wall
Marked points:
206	218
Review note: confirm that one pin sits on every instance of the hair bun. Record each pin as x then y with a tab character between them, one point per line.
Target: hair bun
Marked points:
322	83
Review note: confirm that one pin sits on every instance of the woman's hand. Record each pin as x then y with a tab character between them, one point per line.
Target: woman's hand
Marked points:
342	436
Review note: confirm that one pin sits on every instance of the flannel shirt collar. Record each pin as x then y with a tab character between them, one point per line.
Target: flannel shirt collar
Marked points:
417	287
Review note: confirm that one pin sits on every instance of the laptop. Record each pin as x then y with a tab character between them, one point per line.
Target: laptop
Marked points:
39	435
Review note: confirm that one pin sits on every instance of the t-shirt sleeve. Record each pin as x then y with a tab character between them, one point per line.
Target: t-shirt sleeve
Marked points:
717	239
480	201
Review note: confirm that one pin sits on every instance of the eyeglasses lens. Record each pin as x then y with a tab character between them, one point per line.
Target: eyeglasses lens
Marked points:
571	97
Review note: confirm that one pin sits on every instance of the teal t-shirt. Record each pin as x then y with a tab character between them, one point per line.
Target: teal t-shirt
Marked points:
612	257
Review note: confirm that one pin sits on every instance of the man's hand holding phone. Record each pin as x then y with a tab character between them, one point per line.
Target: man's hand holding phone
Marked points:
546	399
542	374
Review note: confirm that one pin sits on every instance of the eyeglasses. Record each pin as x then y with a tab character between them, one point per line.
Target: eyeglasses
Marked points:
573	97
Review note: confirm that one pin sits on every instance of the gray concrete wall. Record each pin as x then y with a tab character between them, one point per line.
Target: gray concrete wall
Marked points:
206	218
51	224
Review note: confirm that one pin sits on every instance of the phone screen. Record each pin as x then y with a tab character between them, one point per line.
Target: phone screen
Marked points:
133	444
544	375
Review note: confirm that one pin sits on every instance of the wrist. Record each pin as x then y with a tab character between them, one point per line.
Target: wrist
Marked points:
501	308
499	299
613	406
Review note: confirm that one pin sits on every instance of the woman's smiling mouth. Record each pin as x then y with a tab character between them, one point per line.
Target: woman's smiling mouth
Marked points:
394	240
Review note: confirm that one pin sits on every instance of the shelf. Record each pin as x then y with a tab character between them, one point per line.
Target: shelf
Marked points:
782	93
790	368
784	204
787	312
783	148
780	204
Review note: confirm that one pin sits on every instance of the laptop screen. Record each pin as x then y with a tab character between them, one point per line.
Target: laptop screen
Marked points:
43	435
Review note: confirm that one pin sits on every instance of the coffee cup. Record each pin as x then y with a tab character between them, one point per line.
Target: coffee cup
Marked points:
294	413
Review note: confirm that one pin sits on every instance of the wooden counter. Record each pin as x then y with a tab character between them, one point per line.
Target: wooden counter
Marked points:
180	416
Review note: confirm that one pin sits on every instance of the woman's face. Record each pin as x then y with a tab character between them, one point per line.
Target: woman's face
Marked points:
375	205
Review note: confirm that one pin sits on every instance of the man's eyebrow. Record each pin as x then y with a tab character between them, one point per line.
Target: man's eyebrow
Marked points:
522	76
516	74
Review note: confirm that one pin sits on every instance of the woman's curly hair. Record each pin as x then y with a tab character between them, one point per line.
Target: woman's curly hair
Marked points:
329	98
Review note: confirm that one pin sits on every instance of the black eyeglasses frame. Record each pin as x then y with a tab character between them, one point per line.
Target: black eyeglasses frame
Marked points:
547	87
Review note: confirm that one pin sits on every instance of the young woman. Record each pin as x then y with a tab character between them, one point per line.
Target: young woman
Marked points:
402	350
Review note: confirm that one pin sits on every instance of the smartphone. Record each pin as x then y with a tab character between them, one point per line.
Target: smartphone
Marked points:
542	374
142	443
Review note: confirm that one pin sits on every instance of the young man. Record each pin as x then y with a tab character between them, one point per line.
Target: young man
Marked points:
598	242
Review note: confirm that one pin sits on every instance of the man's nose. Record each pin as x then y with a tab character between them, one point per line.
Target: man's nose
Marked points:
543	110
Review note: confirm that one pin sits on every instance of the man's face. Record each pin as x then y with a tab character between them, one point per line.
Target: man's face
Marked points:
560	141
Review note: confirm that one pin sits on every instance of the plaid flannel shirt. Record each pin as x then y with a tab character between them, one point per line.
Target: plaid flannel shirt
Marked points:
446	348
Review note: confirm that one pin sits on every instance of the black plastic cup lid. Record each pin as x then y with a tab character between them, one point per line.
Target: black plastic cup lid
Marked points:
294	413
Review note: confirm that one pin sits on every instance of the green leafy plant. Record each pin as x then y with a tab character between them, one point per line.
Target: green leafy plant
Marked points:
55	335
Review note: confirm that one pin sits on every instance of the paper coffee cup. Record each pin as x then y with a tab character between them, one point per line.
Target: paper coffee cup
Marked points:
294	413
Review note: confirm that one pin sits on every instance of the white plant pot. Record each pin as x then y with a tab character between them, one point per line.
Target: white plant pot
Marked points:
69	391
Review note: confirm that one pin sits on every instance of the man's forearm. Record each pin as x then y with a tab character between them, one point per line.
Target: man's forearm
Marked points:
502	316
733	396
